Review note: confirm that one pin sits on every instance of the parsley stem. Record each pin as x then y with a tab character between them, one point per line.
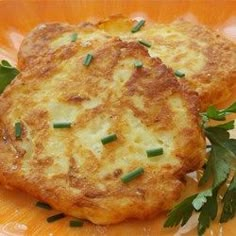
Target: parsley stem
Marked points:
138	26
132	175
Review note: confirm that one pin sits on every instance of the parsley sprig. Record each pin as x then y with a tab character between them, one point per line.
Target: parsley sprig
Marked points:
214	114
7	74
220	168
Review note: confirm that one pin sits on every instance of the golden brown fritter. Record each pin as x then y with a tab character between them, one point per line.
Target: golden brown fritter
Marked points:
207	58
48	41
70	168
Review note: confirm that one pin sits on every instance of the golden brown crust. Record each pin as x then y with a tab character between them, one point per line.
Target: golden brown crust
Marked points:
215	81
208	58
37	48
69	168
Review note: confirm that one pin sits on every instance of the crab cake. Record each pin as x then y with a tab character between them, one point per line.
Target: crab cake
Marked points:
104	137
204	59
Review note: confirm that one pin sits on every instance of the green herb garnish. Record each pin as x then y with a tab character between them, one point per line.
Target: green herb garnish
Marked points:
132	175
43	205
76	223
154	152
74	37
109	139
88	59
55	217
229	201
138	26
18	130
145	43
6	63
221	162
227	126
179	73
138	64
181	213
62	125
7	74
218	114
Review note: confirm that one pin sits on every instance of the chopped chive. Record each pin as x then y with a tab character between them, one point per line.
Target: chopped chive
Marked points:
179	73
76	223
18	130
145	43
74	37
55	217
88	59
62	125
108	139
138	64
43	205
138	26
132	175
154	152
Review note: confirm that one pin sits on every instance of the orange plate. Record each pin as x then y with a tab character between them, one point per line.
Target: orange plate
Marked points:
18	214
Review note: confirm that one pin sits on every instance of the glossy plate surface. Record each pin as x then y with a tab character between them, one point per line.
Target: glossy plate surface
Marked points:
18	214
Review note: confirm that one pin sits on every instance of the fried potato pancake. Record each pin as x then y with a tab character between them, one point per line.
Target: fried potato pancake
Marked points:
207	58
70	168
47	41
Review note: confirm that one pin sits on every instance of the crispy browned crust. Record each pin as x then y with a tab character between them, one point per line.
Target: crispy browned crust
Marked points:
216	77
74	179
213	81
36	46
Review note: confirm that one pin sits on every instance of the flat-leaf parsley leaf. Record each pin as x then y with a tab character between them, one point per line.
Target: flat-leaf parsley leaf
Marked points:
7	74
220	165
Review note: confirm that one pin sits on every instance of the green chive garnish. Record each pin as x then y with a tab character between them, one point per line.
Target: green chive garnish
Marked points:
88	59
154	152
179	73
74	37
55	217
76	223
62	125
138	26
132	175
18	130
108	139
43	205
138	64
145	43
